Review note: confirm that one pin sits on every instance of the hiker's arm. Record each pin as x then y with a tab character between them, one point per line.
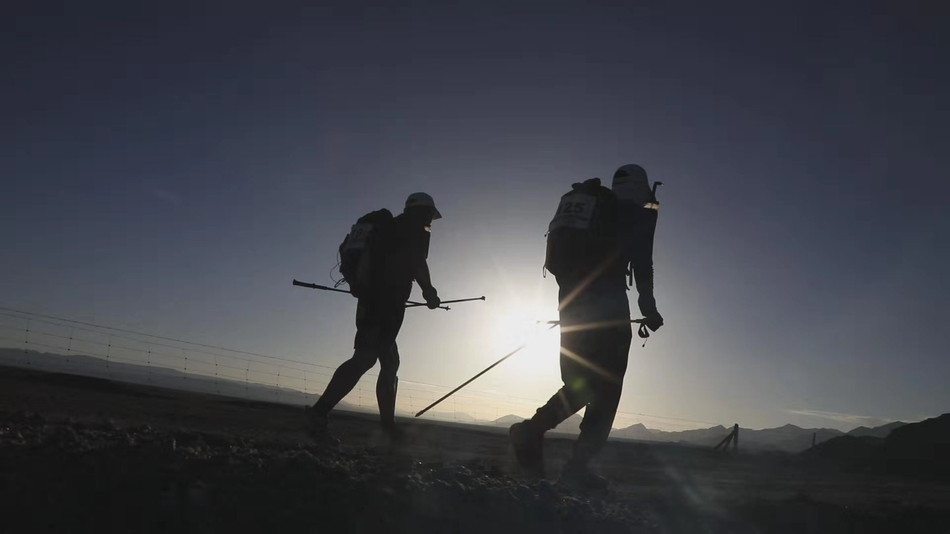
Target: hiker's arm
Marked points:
641	261
428	292
423	278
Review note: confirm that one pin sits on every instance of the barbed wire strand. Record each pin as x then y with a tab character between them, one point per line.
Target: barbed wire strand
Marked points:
473	395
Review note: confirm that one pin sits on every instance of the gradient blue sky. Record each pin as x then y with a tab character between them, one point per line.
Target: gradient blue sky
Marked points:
171	168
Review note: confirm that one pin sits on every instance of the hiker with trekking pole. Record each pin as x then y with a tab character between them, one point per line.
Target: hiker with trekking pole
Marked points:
598	238
379	259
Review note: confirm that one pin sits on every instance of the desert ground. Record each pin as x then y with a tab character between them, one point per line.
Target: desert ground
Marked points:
84	454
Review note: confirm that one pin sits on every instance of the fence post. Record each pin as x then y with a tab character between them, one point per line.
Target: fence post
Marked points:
108	356
69	346
732	438
26	343
148	359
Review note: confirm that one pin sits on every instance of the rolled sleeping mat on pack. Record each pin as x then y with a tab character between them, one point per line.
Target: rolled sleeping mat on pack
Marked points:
638	212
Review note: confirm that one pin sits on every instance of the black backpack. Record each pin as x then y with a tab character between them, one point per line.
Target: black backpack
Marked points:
582	236
357	260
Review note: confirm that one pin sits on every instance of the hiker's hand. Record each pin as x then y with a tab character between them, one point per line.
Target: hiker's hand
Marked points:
653	320
432	298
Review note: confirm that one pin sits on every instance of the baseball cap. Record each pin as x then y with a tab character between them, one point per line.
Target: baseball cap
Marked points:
423	200
630	183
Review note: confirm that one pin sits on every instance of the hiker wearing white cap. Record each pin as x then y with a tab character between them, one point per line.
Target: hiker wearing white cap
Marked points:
595	235
423	200
396	254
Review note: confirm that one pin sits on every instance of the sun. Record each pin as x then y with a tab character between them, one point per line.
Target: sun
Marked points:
513	328
521	326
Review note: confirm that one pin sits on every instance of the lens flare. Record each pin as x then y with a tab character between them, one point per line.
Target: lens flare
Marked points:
519	327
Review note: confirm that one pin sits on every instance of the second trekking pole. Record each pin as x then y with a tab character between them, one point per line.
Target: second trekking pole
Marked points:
505	357
409	303
470	380
456	301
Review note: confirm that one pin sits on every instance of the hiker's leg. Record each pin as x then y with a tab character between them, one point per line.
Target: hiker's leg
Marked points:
612	347
389	363
386	386
364	358
345	379
576	392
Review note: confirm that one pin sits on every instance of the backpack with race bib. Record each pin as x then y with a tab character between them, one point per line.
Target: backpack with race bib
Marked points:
357	258
582	235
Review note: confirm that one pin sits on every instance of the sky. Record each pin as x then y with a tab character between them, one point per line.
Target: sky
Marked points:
170	168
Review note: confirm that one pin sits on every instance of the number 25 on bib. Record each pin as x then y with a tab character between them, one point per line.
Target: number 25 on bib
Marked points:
574	211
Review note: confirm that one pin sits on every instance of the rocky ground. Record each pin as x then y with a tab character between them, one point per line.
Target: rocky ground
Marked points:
66	476
102	457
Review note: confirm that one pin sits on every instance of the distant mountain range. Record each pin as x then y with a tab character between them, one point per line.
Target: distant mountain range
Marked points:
788	438
572	425
907	448
637	432
452	417
82	365
508	420
878	432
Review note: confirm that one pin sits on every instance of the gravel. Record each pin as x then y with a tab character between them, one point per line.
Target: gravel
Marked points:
69	476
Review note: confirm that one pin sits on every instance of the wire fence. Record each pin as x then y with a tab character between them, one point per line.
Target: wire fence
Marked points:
63	345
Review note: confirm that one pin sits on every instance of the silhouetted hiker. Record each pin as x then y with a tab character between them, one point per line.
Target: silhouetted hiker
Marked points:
593	237
393	254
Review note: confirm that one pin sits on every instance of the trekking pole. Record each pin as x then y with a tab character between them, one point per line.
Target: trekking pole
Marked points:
315	286
414	304
643	331
470	380
411	304
632	321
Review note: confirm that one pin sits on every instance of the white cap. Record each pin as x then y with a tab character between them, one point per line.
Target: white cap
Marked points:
630	183
424	200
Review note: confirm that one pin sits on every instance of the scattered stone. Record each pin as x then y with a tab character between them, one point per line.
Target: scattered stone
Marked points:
356	474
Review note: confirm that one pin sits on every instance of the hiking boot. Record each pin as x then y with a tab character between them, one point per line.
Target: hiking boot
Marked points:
318	426
578	475
528	443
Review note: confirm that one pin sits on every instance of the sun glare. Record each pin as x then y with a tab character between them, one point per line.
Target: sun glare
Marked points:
519	327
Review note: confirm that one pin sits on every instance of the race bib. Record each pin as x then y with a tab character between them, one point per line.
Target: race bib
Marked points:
359	233
575	211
